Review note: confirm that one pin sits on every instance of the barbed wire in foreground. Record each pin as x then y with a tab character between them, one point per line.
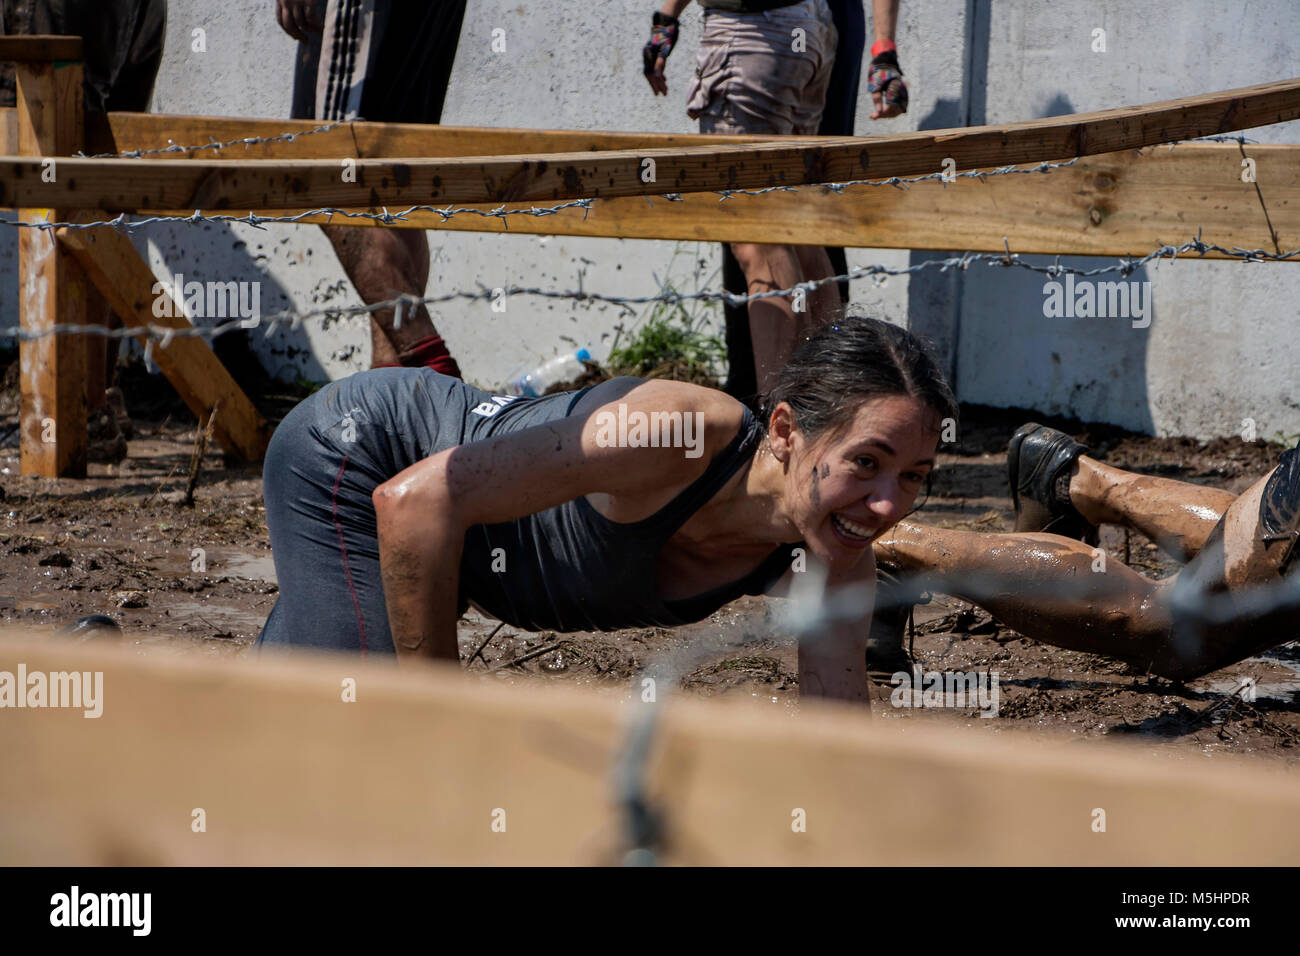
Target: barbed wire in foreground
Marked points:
293	319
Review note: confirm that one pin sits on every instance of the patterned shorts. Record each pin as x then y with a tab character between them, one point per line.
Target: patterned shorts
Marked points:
764	72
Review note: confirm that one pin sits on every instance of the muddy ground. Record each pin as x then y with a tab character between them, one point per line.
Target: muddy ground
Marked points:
200	580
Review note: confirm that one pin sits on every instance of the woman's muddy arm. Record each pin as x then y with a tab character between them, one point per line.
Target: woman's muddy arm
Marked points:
424	512
832	660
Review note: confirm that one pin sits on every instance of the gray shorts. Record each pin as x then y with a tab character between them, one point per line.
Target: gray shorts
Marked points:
764	72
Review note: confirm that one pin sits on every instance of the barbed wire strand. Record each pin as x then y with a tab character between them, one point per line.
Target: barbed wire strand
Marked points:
293	319
245	141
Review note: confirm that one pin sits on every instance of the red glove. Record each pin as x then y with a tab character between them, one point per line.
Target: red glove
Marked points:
885	81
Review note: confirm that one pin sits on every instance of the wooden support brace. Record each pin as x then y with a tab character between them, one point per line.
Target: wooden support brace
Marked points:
51	285
127	282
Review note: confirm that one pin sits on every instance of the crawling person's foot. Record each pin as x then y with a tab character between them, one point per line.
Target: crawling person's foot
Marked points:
1039	463
104	439
93	627
116	402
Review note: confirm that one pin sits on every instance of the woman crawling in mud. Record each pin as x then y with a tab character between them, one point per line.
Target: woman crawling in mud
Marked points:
395	498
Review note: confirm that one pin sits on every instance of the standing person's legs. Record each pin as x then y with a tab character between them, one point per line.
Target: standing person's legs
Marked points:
406	70
754	78
383	264
842	98
123	47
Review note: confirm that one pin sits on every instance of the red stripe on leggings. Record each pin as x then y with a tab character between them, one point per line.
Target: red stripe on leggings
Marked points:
343	550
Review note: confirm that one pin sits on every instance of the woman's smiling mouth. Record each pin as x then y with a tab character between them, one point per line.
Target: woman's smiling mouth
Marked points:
852	533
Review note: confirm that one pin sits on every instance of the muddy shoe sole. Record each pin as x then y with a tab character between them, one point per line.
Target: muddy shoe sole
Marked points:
1036	457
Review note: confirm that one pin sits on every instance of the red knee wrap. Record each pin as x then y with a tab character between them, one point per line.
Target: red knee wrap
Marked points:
431	352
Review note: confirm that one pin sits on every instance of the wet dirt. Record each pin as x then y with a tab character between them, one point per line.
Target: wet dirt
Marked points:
201	580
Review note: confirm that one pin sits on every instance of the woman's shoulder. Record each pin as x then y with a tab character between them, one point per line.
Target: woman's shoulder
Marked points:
656	394
659	406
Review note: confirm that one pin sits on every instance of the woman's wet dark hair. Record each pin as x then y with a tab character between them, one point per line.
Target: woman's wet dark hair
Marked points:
852	360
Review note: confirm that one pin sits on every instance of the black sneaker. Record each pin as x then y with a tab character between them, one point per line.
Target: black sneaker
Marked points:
895	600
1036	458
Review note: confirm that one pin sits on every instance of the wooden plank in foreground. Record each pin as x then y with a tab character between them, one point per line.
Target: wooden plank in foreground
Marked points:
1117	204
417	768
131	185
127	282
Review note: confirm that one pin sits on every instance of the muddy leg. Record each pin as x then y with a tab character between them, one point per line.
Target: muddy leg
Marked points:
1042	585
1178	516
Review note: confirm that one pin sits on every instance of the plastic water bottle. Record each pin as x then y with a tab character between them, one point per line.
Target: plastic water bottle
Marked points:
562	368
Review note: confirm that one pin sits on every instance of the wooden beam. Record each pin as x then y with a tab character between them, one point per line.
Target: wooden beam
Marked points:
129	186
124	132
40	48
1117	204
286	771
51	285
127	282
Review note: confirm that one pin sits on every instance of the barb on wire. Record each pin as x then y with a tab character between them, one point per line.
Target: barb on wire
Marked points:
245	141
1005	259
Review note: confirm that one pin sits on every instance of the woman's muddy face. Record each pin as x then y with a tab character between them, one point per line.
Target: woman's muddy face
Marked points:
852	484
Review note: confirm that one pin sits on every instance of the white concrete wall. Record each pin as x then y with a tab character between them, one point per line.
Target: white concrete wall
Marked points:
1196	370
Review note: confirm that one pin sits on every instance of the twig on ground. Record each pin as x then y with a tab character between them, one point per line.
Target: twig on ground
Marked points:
530	655
202	435
478	651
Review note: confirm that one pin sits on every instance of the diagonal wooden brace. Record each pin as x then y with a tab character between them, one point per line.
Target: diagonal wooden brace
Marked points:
114	266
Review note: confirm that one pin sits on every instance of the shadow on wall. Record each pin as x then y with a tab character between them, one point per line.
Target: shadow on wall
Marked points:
1073	346
217	253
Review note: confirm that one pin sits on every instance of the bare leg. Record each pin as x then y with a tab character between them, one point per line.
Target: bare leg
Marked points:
1176	515
1042	585
382	264
1056	590
775	327
825	299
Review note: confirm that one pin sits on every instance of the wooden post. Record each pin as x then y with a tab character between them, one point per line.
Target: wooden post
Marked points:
52	287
